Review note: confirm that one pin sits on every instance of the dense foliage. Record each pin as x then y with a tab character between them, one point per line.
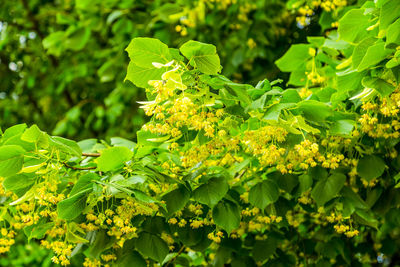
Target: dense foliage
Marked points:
225	172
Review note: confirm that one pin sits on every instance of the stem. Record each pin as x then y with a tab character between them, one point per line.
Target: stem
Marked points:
91	154
79	168
176	256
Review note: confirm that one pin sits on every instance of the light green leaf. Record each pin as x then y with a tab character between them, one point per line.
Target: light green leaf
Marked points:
13	131
202	56
65	145
342	127
360	50
113	158
32	134
314	110
18	181
382	87
274	111
353	25
11	160
140	76
375	54
393	35
38	231
390	11
295	58
144	51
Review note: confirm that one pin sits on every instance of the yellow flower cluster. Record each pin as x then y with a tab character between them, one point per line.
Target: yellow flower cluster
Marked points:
305	198
91	263
259	223
62	250
108	257
307	11
330	5
294	218
345	229
216	237
168	239
6	240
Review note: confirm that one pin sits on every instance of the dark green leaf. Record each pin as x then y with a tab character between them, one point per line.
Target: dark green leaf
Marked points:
211	192
152	246
263	193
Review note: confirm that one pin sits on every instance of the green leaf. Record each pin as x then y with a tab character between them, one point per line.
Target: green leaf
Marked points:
72	207
65	145
176	199
140	76
342	127
113	158
211	192
370	167
393	35
102	242
305	183
314	110
32	134
144	51
11	160
352	26
13	131
84	182
72	235
389	12
263	249
38	231
202	56
226	215
381	86
360	50
18	181
152	246
353	198
275	110
375	54
132	258
263	194
119	141
295	58
328	188
76	38
366	218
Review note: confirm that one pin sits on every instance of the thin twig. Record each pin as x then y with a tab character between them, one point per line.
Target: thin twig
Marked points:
176	256
241	174
91	154
79	168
